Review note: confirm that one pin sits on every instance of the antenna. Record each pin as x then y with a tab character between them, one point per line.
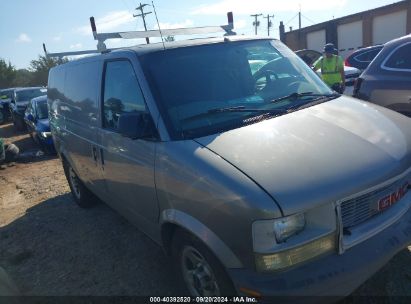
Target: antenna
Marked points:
44	48
158	23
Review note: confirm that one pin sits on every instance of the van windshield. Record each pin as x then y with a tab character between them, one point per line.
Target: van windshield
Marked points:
27	95
202	90
8	93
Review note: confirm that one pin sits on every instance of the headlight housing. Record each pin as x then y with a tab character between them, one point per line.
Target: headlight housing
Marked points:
288	226
284	242
293	256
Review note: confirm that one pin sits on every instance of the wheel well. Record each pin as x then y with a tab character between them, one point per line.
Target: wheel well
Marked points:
167	232
64	160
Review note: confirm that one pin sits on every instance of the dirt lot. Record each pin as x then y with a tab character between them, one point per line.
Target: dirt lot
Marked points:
51	247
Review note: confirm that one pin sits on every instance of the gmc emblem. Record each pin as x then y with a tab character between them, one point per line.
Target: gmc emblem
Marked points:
392	198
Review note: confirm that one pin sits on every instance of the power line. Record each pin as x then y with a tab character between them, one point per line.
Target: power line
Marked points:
143	16
126	5
256	23
308	19
291	19
170	10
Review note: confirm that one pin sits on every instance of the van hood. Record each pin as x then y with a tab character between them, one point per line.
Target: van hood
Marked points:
319	154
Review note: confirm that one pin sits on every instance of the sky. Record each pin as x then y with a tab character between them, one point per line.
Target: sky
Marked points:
64	25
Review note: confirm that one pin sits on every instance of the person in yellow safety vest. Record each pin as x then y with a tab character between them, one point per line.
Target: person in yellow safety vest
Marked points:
332	69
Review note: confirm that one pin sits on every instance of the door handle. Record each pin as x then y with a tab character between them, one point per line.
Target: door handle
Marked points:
102	157
95	154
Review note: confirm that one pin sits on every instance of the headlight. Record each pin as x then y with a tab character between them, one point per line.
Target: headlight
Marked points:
45	134
291	257
288	226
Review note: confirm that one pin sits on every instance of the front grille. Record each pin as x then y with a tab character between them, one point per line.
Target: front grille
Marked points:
358	210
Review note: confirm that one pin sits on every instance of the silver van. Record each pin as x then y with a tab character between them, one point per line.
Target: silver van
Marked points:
236	158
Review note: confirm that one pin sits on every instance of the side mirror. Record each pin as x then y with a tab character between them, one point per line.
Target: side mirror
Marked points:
136	125
30	117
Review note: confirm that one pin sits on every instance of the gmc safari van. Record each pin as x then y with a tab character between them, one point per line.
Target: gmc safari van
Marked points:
234	156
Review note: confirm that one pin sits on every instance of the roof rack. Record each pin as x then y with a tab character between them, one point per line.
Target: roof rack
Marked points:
102	37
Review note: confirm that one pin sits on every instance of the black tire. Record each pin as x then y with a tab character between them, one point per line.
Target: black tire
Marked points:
217	280
82	196
18	123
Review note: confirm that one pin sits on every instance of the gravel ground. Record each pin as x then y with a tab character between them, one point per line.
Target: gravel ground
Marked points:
49	246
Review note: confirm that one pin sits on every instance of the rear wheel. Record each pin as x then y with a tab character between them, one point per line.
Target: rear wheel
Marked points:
82	196
198	268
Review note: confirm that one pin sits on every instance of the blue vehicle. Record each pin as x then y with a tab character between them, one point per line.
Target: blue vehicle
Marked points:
37	123
6	96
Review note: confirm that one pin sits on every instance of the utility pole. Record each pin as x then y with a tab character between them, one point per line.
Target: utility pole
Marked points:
256	23
269	23
299	17
143	16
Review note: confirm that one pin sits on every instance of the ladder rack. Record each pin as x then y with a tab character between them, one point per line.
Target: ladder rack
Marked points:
102	37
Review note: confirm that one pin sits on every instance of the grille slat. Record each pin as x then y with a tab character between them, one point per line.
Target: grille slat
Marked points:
358	210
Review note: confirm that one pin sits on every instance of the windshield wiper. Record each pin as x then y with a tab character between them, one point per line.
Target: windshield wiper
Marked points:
312	102
235	109
296	95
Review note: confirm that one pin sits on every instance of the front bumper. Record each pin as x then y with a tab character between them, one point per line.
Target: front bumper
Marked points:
334	274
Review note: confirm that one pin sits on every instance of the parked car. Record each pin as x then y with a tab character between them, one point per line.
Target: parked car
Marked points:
351	73
37	123
5	99
387	80
20	100
255	184
361	58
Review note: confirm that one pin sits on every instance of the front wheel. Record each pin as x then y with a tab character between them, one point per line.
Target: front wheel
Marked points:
18	123
82	196
198	268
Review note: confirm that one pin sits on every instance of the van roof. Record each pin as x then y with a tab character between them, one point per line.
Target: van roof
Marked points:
142	49
154	47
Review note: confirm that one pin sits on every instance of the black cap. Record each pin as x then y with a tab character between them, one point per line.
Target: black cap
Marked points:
329	48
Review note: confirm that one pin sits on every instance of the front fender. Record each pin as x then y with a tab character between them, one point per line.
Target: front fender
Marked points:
208	237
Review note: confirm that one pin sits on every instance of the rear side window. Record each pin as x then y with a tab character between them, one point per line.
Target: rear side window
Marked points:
400	59
367	56
122	93
55	92
82	83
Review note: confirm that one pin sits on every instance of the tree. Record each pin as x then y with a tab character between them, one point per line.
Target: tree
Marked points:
40	69
7	74
24	78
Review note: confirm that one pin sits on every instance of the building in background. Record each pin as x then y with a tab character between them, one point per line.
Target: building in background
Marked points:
355	31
